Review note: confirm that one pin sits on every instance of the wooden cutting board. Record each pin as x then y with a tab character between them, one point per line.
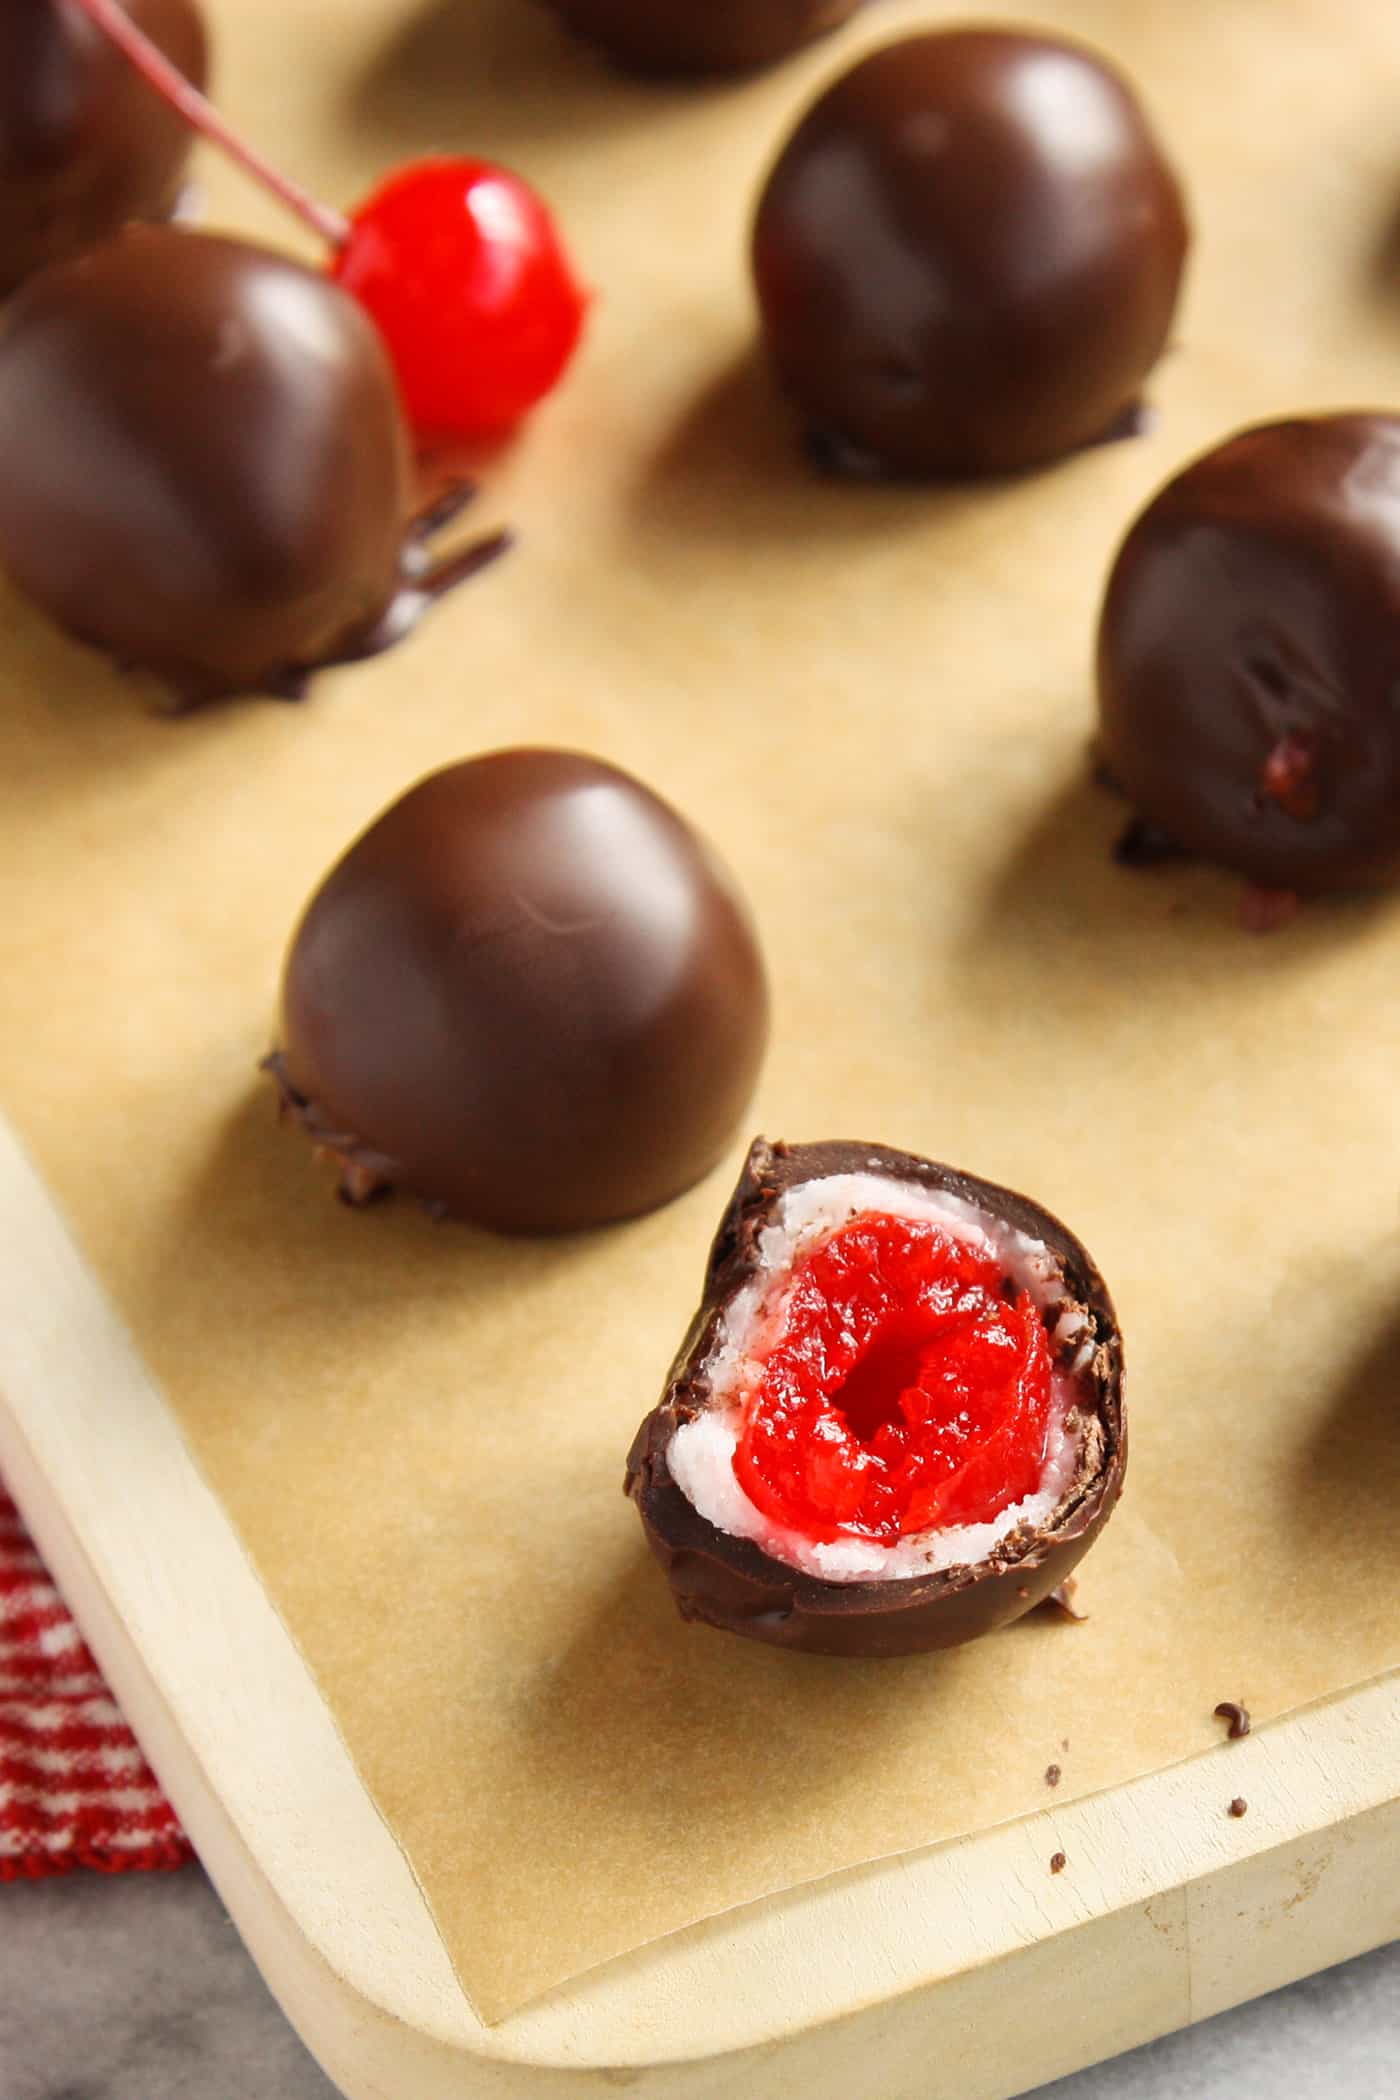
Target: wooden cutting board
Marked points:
439	1763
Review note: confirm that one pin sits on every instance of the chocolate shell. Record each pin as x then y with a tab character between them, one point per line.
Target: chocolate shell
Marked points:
528	994
1249	658
702	36
731	1583
206	469
85	143
967	256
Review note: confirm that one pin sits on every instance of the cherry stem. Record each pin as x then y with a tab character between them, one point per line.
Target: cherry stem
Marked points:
199	112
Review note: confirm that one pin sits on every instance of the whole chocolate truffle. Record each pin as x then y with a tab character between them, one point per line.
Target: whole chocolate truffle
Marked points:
85	144
206	471
702	36
968	254
1249	657
896	1422
528	994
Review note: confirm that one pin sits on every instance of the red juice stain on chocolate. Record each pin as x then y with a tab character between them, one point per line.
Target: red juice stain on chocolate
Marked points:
968	255
528	994
85	143
1249	657
906	1391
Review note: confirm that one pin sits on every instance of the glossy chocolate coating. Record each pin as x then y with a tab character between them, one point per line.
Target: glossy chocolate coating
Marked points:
968	254
206	471
528	994
702	36
85	143
731	1583
1249	656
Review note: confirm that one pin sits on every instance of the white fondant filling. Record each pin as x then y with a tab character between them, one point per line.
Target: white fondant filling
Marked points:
701	1453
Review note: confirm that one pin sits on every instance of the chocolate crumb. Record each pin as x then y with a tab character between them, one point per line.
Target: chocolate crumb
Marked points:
1238	1806
1057	1863
1237	1715
1052	1775
1062	1598
1064	1742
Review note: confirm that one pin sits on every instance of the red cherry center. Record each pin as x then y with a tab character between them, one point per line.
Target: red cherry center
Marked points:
460	265
1288	777
909	1389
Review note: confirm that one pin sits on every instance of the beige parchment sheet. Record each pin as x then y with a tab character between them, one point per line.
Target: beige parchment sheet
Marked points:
877	703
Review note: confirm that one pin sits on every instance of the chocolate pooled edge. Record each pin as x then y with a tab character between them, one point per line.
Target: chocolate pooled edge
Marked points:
419	581
732	1584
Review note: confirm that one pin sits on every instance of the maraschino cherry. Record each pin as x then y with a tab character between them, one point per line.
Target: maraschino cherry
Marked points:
457	261
460	265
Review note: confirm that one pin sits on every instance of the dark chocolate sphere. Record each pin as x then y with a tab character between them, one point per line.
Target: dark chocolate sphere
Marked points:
968	254
206	471
1249	655
528	994
703	36
85	143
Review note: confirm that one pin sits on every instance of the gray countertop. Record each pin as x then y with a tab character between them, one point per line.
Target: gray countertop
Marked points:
137	1988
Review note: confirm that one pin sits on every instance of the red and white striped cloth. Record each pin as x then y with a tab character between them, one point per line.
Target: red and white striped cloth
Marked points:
75	1790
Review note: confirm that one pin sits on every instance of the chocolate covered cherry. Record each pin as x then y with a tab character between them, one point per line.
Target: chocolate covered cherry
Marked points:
702	36
968	254
528	994
85	144
896	1421
1249	657
206	471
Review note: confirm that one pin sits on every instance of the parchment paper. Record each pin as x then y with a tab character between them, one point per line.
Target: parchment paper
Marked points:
877	703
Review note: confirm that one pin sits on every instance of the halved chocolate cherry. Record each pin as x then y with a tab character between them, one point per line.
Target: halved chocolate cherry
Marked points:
897	1419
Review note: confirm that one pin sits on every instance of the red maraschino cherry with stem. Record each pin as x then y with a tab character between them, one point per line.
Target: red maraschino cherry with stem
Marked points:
470	365
456	260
